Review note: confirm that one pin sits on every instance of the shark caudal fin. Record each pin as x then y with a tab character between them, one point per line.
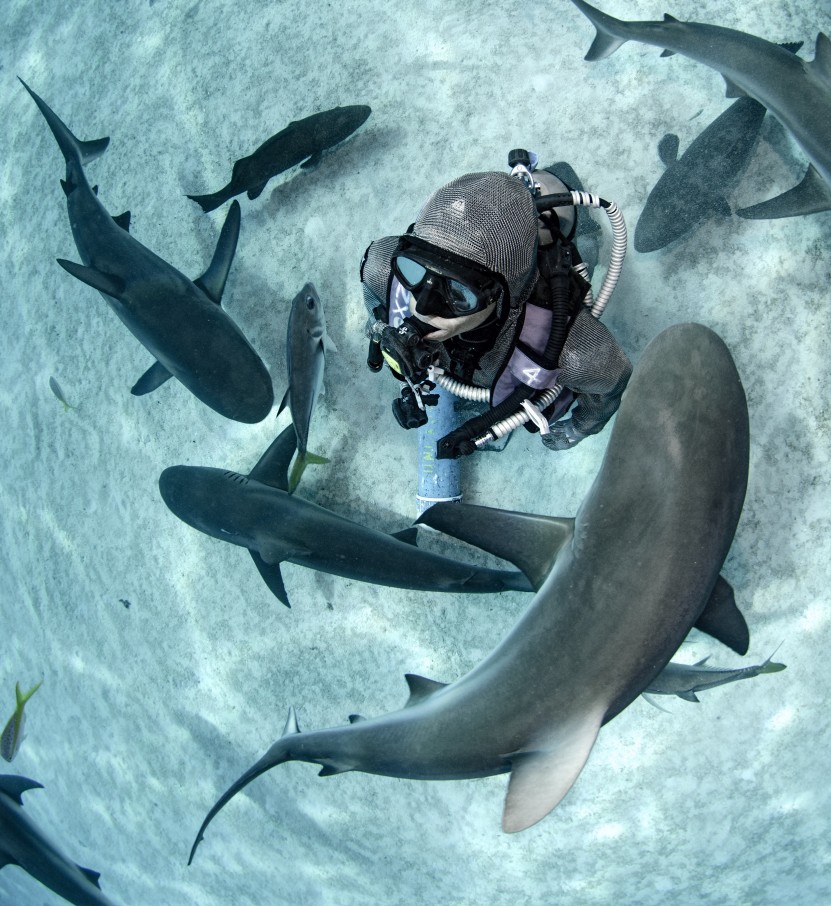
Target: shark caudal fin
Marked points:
277	754
811	196
73	149
610	31
541	775
213	201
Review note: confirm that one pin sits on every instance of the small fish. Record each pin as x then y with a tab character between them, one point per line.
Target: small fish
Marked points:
684	680
55	387
306	344
13	732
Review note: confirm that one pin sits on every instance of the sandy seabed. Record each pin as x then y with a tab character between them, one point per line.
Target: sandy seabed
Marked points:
148	712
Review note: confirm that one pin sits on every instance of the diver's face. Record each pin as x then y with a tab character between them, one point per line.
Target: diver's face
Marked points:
451	327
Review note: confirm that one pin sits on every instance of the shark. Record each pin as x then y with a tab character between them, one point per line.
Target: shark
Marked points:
693	187
620	586
306	345
258	512
684	680
22	843
302	140
796	92
180	321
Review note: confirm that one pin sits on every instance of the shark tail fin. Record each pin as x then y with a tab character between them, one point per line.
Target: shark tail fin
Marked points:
610	31
210	202
304	459
72	148
279	753
542	775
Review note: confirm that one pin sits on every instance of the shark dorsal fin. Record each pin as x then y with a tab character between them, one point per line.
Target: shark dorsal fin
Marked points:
109	284
669	18
273	466
123	220
212	282
14	786
421	688
291	727
541	776
821	64
91	875
722	619
530	542
668	149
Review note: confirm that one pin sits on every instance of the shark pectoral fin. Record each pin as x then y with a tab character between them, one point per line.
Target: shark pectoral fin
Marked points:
151	380
811	196
407	535
123	220
540	778
722	619
14	786
272	577
668	149
733	90
311	162
421	688
109	284
256	191
91	875
212	282
273	466
647	697
530	542
334	767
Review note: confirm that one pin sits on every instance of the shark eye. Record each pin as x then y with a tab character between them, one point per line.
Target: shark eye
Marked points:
310	303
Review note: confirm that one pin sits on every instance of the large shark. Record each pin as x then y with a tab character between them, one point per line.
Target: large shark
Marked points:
694	187
796	92
302	140
257	512
179	321
306	345
621	584
22	843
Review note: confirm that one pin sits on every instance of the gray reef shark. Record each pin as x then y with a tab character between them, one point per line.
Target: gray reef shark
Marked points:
23	844
620	586
257	512
302	140
684	680
306	345
694	186
179	321
795	92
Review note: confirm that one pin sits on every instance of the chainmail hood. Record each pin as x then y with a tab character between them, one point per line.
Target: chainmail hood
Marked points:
489	218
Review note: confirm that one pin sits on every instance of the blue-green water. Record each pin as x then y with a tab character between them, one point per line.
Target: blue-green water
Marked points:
147	713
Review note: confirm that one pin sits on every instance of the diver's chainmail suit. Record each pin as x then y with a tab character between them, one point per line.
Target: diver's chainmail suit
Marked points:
490	218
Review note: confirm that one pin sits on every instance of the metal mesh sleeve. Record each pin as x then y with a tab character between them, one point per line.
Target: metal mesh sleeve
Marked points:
596	369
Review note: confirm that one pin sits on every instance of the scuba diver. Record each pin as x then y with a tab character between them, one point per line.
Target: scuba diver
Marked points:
487	296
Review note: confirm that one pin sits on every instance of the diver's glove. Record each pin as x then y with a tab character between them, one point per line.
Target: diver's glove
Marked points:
562	435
